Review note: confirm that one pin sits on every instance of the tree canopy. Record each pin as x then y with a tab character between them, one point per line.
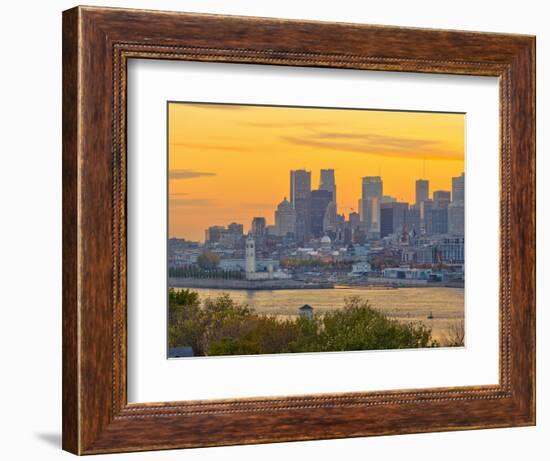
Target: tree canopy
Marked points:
220	326
208	260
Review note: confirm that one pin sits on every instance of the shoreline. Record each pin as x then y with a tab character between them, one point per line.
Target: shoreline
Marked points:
270	285
176	282
438	310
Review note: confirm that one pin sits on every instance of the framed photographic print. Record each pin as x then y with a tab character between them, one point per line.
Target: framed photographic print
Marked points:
285	230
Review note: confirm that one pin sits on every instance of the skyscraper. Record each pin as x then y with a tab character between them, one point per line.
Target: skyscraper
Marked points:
386	219
258	227
372	186
412	220
422	190
285	219
458	188
393	218
369	212
235	228
437	221
456	218
456	209
320	200
328	182
400	210
371	194
214	233
388	199
354	219
300	196
232	235
425	207
331	220
441	198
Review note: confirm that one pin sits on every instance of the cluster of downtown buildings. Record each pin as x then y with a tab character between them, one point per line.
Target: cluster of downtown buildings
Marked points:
313	213
306	226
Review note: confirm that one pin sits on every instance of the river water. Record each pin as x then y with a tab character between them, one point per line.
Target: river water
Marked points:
446	305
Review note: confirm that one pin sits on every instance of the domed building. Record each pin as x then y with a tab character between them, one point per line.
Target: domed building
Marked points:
326	244
285	219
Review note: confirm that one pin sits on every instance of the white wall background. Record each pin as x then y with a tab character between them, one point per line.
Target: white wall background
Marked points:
30	231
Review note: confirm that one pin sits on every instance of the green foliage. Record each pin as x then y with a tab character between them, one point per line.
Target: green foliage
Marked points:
185	320
221	326
360	327
313	263
208	260
378	262
193	271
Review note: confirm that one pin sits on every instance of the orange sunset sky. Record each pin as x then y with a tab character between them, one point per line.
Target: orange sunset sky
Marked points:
229	163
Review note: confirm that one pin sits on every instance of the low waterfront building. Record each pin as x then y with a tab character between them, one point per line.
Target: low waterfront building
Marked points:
360	269
359	252
451	249
425	254
408	256
404	273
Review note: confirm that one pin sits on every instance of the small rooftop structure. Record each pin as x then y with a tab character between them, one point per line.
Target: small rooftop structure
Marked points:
306	311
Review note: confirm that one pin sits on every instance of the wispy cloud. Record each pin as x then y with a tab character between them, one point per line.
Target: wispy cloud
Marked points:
189	203
178	194
189	174
205	146
258	205
374	144
306	125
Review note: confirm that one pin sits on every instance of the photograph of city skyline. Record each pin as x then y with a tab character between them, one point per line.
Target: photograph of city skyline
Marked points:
301	229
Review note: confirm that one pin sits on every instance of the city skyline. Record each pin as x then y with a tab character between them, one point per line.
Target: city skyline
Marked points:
450	203
372	189
228	180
